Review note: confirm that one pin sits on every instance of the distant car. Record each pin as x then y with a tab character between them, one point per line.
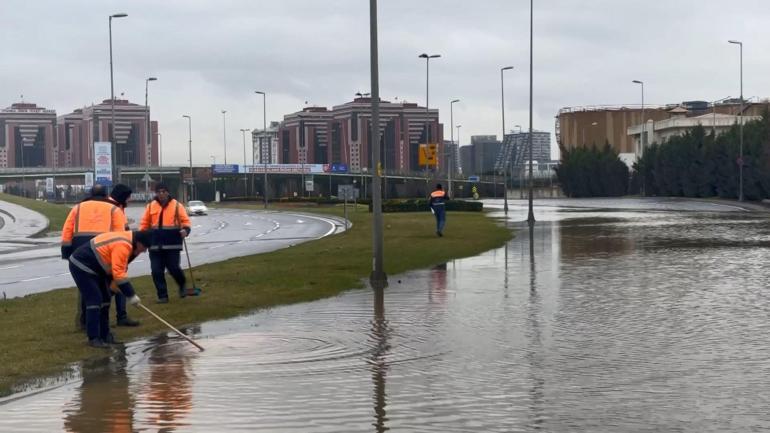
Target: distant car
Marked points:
196	207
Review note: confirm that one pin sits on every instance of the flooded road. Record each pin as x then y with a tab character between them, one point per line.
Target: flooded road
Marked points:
611	316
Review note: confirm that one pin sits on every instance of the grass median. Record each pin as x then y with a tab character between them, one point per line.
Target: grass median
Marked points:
38	336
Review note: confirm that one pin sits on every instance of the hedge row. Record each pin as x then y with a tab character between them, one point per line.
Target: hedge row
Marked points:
421	205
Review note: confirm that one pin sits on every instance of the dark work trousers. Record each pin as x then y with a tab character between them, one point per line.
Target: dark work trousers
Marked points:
120	307
160	260
440	214
93	290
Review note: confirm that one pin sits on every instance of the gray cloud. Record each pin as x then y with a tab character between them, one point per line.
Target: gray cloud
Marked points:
212	55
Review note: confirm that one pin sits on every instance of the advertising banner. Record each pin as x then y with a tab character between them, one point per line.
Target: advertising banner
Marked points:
224	168
288	168
103	162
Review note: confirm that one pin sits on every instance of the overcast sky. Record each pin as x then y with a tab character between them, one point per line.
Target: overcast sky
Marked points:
212	55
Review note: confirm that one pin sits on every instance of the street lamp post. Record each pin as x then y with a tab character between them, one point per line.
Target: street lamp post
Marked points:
262	146
245	174
531	214
642	137
642	140
112	103
427	58
189	135
147	147
502	138
452	139
224	132
740	125
378	279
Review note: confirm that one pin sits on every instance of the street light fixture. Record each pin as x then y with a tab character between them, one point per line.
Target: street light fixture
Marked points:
147	147
427	58
263	148
378	279
112	102
189	134
531	214
740	119
502	138
452	139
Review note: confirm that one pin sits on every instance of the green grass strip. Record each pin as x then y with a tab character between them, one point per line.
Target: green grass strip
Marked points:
38	336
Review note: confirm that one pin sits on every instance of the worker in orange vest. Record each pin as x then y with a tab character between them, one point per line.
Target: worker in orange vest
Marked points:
170	224
95	215
106	257
437	203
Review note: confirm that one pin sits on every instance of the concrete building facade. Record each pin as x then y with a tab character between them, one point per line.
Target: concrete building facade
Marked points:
28	136
265	144
317	135
77	132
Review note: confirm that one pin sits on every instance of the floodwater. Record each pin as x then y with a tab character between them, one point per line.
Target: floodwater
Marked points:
611	316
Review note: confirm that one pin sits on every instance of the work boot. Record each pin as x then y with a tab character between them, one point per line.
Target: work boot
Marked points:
162	301
110	339
127	321
98	343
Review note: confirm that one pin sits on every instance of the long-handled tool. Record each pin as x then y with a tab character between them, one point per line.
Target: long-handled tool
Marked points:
195	289
181	334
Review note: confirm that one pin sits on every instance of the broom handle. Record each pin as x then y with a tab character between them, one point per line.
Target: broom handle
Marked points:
172	328
189	264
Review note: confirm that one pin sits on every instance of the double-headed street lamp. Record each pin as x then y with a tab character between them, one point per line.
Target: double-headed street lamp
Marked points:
189	134
502	138
263	148
112	103
427	58
147	147
452	139
740	119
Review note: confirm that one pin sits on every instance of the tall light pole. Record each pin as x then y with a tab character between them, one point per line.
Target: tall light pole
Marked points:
262	146
378	279
452	138
502	138
531	215
147	147
189	135
112	104
740	119
427	58
642	137
224	132
160	149
245	174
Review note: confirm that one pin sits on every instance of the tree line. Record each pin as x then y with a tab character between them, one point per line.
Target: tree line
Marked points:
698	163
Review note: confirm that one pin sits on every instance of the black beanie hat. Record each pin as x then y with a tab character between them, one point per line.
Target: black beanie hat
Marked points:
143	236
120	193
159	186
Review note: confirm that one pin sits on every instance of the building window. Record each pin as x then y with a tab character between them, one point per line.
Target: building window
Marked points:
285	140
354	126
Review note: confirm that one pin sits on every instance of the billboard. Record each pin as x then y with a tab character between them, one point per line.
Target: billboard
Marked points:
428	155
287	168
103	162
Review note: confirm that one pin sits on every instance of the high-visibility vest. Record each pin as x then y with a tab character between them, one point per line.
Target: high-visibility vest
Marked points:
88	219
166	221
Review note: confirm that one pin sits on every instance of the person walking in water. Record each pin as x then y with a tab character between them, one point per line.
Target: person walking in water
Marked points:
437	203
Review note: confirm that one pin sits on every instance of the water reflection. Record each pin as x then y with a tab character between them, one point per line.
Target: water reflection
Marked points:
636	321
166	396
380	349
103	402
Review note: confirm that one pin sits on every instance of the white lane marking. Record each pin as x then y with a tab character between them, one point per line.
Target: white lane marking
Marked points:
218	246
300	221
247	223
10	267
35	279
